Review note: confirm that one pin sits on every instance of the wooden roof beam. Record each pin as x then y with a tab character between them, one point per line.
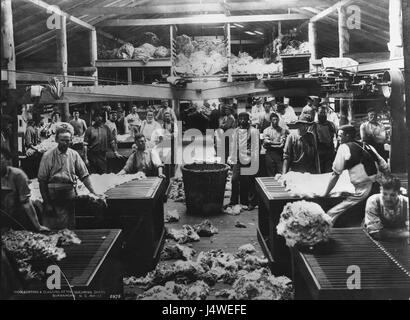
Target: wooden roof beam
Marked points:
210	19
198	8
53	9
330	10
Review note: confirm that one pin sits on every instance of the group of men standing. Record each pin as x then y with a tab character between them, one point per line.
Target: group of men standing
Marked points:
315	144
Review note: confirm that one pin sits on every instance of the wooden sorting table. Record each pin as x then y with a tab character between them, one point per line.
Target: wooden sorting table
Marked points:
91	270
272	199
384	268
137	207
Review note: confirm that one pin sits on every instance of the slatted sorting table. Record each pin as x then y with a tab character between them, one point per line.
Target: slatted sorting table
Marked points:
272	198
137	207
90	270
381	269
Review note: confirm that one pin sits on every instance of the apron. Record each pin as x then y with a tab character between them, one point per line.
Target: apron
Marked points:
62	196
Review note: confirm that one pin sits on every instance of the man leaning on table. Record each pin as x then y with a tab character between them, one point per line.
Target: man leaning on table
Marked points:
143	160
363	163
387	213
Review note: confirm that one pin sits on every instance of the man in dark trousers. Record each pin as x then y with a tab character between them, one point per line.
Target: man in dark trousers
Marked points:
325	135
97	139
274	138
244	155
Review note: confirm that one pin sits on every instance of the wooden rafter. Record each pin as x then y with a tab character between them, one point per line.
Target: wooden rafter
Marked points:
195	20
205	7
53	9
330	10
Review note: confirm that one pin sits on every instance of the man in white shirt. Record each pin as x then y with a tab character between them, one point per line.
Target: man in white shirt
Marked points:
364	165
374	133
286	112
387	213
257	112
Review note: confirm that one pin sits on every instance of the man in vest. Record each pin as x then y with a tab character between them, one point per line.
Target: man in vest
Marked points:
245	146
363	163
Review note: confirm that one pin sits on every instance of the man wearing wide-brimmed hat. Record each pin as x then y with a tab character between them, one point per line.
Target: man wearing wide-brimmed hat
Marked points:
332	116
300	152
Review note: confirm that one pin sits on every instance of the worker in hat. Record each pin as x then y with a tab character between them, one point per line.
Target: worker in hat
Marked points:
332	116
364	165
165	108
300	152
97	139
374	133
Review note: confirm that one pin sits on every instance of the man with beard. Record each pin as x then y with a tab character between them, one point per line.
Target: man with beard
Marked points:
387	213
97	139
300	152
59	170
17	210
245	146
325	134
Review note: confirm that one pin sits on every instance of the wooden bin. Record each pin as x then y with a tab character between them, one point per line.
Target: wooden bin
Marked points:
137	207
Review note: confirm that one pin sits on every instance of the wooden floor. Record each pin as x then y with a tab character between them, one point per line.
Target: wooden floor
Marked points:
229	238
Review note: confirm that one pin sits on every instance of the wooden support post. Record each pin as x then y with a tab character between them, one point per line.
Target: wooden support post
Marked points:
344	36
396	29
175	107
228	50
62	56
93	54
406	49
10	57
129	75
312	43
172	37
279	29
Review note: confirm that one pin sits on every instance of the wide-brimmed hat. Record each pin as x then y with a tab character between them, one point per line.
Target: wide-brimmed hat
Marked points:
257	99
304	119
